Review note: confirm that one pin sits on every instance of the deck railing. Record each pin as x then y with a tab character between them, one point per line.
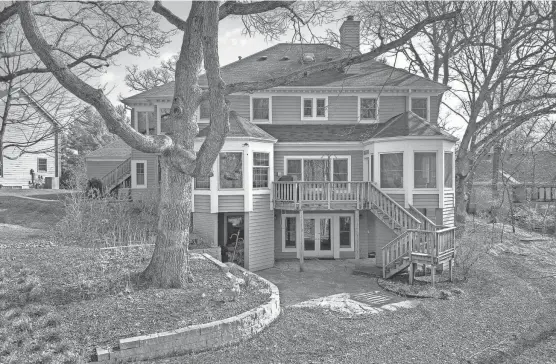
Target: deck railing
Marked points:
426	223
394	210
535	193
115	176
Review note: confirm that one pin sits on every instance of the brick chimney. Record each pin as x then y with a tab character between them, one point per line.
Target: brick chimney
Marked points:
350	41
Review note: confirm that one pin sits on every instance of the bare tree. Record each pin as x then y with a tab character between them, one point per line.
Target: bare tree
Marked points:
498	57
143	80
179	161
87	36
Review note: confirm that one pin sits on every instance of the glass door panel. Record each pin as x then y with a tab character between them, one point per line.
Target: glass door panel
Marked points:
309	235
325	236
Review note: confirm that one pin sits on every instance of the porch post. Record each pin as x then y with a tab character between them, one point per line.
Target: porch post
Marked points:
451	263
301	241
356	237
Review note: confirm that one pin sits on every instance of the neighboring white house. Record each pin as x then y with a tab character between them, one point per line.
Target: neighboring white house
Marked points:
29	145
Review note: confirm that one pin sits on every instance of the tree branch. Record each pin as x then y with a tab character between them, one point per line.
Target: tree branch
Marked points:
340	63
168	15
84	91
7	13
237	8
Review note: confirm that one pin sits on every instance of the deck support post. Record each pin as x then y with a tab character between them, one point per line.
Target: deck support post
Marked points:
301	241
433	273
451	265
356	237
411	271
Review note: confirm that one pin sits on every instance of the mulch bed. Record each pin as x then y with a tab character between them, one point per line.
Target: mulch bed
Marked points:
95	293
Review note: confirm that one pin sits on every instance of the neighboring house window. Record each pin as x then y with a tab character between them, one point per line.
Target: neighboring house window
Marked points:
290	233
315	108
202	183
42	165
261	166
204	110
164	116
318	170
261	108
391	170
425	170
345	232
420	107
448	169
231	170
139	172
368	109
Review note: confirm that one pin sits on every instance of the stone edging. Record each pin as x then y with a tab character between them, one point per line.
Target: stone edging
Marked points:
197	338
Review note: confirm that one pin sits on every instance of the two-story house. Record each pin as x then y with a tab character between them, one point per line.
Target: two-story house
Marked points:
338	165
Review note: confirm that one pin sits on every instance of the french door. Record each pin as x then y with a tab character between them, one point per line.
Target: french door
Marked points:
317	235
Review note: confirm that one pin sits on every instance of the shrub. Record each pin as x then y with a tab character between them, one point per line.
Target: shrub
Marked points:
94	187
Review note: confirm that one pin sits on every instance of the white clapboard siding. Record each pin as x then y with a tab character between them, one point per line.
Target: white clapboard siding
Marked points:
261	234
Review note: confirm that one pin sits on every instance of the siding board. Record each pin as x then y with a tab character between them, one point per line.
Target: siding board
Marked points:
152	166
202	204
448	211
399	198
230	203
390	106
260	238
434	110
428	202
97	169
342	109
286	109
240	104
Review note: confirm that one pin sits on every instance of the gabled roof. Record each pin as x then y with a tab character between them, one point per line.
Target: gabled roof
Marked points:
284	58
241	127
117	149
20	92
538	167
405	124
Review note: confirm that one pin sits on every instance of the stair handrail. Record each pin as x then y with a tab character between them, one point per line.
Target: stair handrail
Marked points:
411	222
110	179
387	260
428	224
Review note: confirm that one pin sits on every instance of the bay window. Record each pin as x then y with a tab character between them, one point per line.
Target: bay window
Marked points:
261	166
448	166
425	170
261	108
231	170
391	170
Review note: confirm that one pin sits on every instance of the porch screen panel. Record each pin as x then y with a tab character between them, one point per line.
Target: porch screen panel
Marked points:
294	169
316	170
231	170
448	166
340	170
391	170
425	170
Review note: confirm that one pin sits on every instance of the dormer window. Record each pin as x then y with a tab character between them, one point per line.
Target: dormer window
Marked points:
260	109
419	105
204	111
315	108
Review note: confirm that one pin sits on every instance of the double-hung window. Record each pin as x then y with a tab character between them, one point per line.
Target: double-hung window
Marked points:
315	108
261	108
391	170
425	170
368	108
139	174
419	105
42	165
261	166
202	183
345	232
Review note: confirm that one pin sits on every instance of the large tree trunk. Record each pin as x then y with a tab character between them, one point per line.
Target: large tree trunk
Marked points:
168	267
462	194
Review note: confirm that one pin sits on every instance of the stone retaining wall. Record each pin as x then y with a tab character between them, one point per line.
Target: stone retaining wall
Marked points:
197	337
215	252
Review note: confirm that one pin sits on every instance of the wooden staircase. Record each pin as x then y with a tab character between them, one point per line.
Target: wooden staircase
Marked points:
117	176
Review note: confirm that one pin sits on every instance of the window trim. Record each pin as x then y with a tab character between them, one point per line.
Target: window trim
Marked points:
283	232
428	98
444	168
220	188
39	163
435	167
376	119
302	158
253	166
260	121
314	108
379	179
134	174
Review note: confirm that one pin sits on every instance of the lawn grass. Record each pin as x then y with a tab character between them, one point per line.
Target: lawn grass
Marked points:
30	213
506	314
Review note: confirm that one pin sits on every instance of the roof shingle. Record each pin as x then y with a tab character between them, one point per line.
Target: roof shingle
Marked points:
115	149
